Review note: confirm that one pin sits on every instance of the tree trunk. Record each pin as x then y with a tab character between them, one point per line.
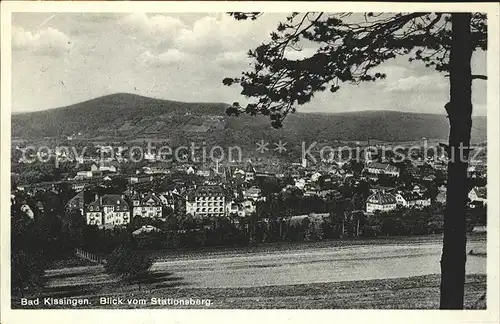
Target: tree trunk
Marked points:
343	226
459	113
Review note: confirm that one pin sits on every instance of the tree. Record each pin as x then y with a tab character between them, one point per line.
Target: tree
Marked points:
27	256
27	269
73	228
128	264
118	184
167	211
355	166
348	48
359	217
269	185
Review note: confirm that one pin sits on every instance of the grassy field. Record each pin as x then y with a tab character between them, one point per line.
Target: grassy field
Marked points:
300	246
402	293
75	278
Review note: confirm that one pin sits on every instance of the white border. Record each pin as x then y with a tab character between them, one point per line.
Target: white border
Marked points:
491	315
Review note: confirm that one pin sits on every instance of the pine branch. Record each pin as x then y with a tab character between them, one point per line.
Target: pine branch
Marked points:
475	77
479	76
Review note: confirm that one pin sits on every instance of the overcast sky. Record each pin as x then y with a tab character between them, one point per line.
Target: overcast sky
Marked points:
61	59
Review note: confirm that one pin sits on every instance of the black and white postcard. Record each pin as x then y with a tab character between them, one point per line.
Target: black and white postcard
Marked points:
184	159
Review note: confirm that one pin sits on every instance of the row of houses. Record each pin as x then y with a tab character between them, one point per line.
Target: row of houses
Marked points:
97	171
114	209
205	201
376	168
384	201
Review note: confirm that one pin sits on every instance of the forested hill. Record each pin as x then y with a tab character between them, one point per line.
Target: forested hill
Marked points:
127	116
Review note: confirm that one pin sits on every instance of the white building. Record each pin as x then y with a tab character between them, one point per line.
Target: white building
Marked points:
206	201
84	174
234	208
315	176
249	206
167	199
381	201
423	202
478	194
108	210
241	209
249	173
412	199
441	196
145	229
146	205
104	167
382	168
300	183
27	210
253	193
406	199
78	186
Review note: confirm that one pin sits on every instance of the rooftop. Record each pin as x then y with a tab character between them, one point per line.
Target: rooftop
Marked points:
381	198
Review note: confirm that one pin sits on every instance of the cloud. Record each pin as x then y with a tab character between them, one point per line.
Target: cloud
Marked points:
418	84
207	35
215	33
184	57
301	54
47	41
234	59
393	72
157	29
170	57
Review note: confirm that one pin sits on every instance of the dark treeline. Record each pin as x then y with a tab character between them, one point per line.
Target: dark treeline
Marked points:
179	232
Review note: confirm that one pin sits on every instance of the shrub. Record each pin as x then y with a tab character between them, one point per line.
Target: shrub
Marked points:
128	264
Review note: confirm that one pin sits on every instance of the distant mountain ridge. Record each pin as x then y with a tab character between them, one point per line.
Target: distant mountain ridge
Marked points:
126	116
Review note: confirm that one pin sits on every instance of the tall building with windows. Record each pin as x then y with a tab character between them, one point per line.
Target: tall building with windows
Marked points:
206	202
108	210
146	205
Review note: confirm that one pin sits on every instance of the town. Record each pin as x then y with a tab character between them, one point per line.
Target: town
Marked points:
172	205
